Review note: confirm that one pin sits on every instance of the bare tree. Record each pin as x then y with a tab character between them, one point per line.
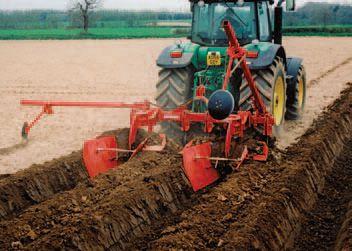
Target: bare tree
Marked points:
85	7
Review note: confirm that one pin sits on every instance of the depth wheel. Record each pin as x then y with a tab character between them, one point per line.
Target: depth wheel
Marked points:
296	96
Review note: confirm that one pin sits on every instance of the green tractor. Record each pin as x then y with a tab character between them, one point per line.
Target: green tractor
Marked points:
281	80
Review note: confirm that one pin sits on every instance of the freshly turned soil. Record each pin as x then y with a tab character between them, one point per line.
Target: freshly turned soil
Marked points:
40	182
106	212
344	238
323	223
147	203
263	207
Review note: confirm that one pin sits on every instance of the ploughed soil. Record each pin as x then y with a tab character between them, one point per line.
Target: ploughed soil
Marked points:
344	237
105	212
147	203
40	182
263	206
322	225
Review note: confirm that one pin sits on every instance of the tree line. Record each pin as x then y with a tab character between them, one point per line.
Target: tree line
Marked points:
321	14
309	14
49	19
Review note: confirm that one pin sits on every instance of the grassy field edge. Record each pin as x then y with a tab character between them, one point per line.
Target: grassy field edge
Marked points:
149	32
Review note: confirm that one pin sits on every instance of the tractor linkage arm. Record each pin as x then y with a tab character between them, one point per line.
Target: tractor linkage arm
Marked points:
235	51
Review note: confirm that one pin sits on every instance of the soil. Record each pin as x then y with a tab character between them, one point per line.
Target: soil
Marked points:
344	237
40	182
323	223
117	70
114	208
262	207
147	203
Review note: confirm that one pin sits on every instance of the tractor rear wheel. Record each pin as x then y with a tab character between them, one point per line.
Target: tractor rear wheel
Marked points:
271	84
174	88
296	96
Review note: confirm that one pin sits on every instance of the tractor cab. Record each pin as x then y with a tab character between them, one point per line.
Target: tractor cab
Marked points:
208	18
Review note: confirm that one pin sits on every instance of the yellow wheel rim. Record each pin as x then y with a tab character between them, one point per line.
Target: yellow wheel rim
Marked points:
278	103
300	93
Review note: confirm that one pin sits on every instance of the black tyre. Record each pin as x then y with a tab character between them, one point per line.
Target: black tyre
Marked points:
174	88
271	84
296	96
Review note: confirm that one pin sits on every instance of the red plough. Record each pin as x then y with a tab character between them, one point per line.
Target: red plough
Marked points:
102	154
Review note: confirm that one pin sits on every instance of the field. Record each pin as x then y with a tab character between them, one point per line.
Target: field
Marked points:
161	30
328	30
94	33
298	200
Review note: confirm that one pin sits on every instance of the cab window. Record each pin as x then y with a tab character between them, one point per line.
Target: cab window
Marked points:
264	28
208	19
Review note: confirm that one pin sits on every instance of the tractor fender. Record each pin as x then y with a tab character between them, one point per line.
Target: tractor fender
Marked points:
293	66
166	61
267	57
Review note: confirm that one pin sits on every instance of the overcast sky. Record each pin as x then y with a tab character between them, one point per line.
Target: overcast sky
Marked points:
113	4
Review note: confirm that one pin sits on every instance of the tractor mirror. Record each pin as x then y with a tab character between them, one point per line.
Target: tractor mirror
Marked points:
290	5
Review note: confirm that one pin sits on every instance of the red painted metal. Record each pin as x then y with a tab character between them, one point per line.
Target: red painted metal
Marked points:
228	71
98	162
143	116
244	156
28	126
200	92
197	166
139	148
235	51
48	108
137	105
265	152
101	154
236	124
